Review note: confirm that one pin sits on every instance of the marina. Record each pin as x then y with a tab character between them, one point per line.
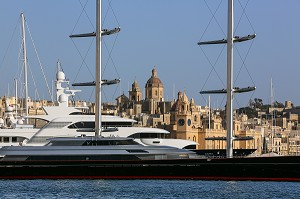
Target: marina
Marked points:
119	150
100	157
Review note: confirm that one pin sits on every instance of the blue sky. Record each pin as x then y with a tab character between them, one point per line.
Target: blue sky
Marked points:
157	33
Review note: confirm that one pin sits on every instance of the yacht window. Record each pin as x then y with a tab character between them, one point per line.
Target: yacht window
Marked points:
193	146
117	124
14	139
39	139
147	135
78	113
82	125
57	125
65	143
108	142
91	125
6	139
136	151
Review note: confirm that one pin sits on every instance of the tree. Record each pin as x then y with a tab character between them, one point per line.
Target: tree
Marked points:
278	104
256	103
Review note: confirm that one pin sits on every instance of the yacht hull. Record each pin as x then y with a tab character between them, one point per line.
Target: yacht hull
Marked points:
285	168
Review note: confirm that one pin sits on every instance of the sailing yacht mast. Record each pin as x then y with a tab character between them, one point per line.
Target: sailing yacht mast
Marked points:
272	115
229	109
230	90
16	97
25	65
98	70
98	82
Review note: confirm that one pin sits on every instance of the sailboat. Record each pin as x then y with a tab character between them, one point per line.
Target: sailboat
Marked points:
122	158
230	90
90	147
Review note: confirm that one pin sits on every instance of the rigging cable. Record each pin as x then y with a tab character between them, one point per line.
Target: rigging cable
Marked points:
243	60
10	41
34	84
109	7
83	59
247	53
41	66
207	58
92	42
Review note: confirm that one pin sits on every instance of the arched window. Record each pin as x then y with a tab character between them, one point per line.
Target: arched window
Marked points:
194	138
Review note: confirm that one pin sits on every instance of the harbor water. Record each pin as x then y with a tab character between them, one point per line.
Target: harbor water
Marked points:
147	189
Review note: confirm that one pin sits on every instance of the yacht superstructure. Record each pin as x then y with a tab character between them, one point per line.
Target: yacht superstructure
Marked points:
112	126
64	121
93	148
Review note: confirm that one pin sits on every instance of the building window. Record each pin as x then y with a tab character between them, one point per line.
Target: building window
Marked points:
189	122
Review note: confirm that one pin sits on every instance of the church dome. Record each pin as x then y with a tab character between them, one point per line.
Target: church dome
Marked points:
154	81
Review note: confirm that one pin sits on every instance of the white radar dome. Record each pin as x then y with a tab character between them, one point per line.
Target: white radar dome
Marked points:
20	121
63	98
60	75
9	109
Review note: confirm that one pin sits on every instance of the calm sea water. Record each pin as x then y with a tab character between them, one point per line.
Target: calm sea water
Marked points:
146	189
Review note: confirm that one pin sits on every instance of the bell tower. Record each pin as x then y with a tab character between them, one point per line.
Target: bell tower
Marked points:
135	94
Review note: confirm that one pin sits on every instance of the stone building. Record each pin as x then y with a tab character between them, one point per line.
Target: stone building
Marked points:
135	94
153	107
185	121
154	88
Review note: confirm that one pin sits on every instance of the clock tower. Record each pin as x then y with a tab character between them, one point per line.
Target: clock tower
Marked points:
186	118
